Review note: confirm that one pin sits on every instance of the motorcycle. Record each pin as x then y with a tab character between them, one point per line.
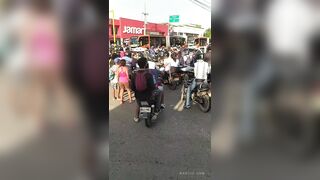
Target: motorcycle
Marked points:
173	79
200	95
147	111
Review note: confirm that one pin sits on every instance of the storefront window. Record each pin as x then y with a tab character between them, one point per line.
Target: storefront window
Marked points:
157	41
134	40
143	41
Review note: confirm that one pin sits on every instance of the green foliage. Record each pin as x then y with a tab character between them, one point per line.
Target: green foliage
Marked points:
207	33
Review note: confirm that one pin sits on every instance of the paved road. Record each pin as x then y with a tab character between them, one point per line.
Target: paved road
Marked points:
176	147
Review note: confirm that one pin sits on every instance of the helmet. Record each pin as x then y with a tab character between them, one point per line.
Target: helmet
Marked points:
198	55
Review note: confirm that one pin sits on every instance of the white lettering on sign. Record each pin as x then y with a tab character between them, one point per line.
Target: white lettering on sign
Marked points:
132	30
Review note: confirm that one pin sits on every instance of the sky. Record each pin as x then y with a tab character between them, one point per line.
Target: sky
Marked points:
160	10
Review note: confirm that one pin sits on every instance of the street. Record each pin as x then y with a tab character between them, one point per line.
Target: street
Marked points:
178	145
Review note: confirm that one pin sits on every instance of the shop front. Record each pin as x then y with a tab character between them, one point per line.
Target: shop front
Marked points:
127	28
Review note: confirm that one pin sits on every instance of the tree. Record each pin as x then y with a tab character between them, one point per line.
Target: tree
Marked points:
207	33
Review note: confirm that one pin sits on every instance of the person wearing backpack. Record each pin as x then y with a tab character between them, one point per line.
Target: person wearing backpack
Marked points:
123	79
143	85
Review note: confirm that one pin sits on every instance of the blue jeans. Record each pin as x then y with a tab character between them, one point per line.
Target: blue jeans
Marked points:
191	87
263	75
157	96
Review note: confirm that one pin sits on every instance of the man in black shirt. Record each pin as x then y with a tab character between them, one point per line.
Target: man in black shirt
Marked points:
150	89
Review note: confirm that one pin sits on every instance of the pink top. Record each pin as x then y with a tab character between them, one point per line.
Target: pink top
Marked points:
45	50
123	77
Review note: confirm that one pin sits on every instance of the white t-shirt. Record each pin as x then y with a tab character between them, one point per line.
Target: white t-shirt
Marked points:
289	24
168	62
176	63
114	69
201	69
152	65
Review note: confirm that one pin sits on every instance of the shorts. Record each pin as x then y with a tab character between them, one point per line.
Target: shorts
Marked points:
114	85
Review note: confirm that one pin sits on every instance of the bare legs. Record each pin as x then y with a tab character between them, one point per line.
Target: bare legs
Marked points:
125	86
128	91
115	92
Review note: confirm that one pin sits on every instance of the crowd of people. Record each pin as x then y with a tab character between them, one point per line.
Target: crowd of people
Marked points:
156	65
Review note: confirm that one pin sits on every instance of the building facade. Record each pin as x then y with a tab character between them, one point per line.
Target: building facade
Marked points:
190	31
126	28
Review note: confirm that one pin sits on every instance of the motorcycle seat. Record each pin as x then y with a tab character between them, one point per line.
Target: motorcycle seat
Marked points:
203	86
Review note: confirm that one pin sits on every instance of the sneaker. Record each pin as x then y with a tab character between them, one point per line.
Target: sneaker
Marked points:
163	106
135	119
187	107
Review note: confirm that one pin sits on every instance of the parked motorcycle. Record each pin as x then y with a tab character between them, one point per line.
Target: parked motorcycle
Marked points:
174	78
200	95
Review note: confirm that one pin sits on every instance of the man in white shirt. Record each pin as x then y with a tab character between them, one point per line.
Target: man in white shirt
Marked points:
151	65
201	71
168	62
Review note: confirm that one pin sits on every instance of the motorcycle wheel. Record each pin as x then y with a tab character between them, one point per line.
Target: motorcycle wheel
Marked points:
148	121
205	106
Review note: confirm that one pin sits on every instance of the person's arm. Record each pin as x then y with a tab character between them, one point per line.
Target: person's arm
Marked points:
164	63
117	73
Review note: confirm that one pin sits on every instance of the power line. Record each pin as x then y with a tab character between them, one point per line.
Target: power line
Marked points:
202	5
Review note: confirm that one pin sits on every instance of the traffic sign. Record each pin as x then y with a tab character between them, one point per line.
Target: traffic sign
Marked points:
174	18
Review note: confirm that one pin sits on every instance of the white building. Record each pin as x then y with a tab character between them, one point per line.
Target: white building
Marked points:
189	31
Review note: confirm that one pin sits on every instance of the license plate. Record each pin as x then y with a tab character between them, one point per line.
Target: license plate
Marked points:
145	109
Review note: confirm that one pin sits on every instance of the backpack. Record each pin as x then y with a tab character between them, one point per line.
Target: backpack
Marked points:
141	81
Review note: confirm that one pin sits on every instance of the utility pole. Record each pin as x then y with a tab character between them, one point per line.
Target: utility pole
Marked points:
145	18
168	36
113	28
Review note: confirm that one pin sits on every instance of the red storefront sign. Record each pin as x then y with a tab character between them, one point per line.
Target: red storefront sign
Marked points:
129	28
126	28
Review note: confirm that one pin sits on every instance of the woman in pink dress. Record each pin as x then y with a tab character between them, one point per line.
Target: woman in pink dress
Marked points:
123	79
